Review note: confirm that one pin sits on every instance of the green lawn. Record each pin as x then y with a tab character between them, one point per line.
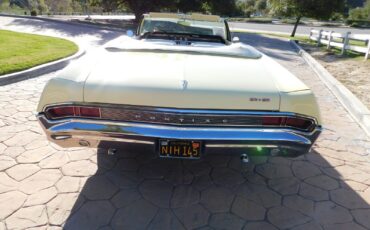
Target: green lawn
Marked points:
20	51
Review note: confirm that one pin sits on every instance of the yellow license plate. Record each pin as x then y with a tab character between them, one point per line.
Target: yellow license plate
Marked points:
180	149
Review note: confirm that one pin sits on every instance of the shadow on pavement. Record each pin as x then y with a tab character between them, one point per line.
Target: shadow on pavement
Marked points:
140	191
268	45
68	29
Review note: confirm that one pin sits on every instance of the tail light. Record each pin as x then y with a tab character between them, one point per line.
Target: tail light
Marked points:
89	112
299	123
67	111
272	121
292	122
73	111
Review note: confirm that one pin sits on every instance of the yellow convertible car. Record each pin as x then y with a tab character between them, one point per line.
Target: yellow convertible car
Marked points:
185	87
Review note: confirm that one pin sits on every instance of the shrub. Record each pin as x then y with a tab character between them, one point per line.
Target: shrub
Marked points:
336	17
33	13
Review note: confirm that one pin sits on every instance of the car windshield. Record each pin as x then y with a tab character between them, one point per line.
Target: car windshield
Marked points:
183	26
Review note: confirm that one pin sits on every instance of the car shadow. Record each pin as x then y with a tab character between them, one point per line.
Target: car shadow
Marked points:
277	48
70	30
137	190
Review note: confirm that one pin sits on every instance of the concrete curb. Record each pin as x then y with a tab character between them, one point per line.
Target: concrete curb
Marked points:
354	106
39	70
100	27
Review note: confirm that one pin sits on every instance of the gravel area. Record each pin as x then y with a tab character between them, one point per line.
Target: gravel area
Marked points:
354	73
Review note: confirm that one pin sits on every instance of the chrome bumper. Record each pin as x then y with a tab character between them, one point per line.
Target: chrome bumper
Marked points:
105	134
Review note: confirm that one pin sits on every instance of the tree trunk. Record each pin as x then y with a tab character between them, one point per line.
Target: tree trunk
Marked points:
138	15
296	25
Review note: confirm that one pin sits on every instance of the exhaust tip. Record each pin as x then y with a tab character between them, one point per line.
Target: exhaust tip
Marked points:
274	152
111	151
84	143
244	158
60	137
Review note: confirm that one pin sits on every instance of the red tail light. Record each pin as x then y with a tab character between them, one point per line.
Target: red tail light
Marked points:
300	123
272	121
73	111
89	112
61	112
293	122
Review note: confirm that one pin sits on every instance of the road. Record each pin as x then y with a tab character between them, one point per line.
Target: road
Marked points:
46	187
277	28
261	27
302	30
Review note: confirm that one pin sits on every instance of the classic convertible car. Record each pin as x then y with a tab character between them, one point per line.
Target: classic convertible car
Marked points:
185	87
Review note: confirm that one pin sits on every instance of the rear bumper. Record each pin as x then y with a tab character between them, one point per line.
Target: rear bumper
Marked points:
105	134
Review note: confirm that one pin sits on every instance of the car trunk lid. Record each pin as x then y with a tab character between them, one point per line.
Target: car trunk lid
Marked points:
179	80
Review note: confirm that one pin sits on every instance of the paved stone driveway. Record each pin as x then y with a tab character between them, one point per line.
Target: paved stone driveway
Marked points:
45	187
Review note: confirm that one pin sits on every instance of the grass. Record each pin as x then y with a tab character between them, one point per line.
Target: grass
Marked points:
305	40
254	20
20	51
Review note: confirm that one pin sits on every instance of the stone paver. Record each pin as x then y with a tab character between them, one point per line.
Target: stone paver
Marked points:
217	199
248	210
157	192
68	184
10	202
79	168
29	217
193	216
41	197
22	171
226	221
43	186
61	207
329	213
137	215
39	181
184	195
286	218
165	219
300	204
6	162
93	215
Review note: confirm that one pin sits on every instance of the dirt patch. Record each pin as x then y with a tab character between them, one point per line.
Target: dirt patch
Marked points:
354	73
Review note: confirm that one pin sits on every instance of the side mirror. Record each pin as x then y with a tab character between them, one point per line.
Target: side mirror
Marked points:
130	33
236	39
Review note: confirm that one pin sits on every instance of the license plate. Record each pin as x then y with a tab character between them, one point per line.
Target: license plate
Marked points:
180	149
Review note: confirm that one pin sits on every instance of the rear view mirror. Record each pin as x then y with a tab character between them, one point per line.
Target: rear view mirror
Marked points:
236	39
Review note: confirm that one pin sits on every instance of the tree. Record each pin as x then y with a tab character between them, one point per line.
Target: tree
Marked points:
261	6
360	13
355	3
41	7
223	7
139	7
20	3
319	9
247	7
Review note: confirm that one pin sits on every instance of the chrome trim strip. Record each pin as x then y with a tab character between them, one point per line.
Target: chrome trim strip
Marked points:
183	110
195	113
239	146
124	140
56	123
97	131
